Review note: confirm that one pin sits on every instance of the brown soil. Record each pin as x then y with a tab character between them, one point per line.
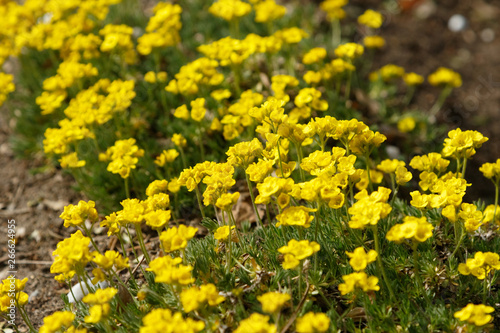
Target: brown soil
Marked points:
35	200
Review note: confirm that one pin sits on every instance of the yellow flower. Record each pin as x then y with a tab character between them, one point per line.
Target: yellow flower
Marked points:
314	55
481	265
462	144
176	238
227	200
124	157
230	9
110	259
220	94
413	79
374	42
198	109
360	259
445	77
256	323
313	323
56	321
194	297
158	219
491	171
371	19
179	140
163	320
296	215
77	215
349	51
268	10
387	73
182	112
358	280
273	301
475	314
406	124
403	176
414	228
222	233
296	251
168	270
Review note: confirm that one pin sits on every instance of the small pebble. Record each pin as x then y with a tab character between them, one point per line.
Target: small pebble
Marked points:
457	23
487	35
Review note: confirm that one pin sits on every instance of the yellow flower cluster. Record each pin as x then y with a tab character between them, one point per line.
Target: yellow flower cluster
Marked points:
244	153
162	29
268	11
358	280
76	215
198	110
163	320
296	251
491	171
462	144
313	323
222	233
478	315
124	156
176	238
200	72
195	297
481	265
236	118
71	256
100	308
168	270
6	86
166	156
371	19
415	229
230	9
314	55
445	77
333	8
369	208
57	321
96	105
118	39
12	295
359	258
295	215
256	323
349	51
374	42
387	73
272	302
109	259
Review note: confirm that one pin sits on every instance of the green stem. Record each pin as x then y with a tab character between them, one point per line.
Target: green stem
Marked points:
127	189
250	189
463	167
141	242
496	203
379	260
198	197
25	318
461	239
299	158
485	287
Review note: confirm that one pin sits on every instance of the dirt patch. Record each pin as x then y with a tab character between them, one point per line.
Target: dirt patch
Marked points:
34	201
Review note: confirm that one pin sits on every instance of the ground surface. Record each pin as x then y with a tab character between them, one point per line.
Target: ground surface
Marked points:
418	43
